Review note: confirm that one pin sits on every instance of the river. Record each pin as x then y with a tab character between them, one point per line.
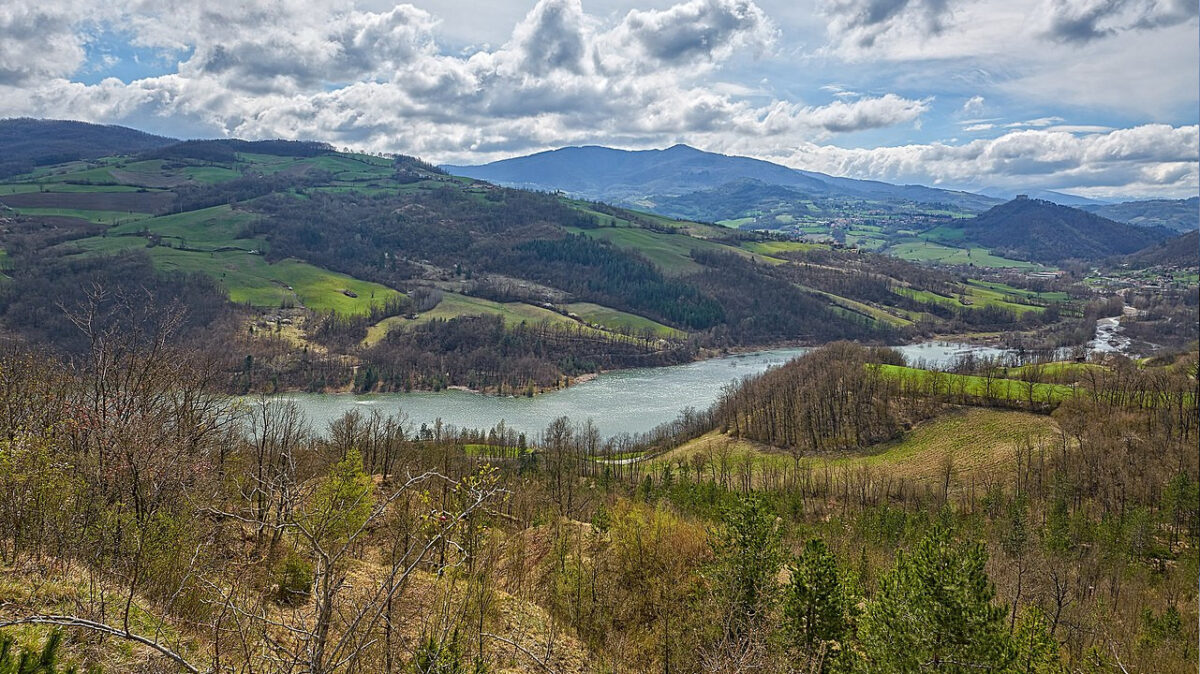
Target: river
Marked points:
633	401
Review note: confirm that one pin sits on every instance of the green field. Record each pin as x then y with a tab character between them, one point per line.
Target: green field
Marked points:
64	188
777	247
209	174
454	305
1004	289
927	251
1061	371
250	279
861	309
99	217
620	320
672	253
966	440
209	227
977	297
976	386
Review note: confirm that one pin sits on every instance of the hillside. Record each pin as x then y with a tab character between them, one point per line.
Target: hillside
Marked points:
832	486
1181	251
320	262
645	177
1041	231
1180	215
29	143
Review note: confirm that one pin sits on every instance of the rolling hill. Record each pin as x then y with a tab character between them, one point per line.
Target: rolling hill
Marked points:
326	260
1041	231
29	143
1181	251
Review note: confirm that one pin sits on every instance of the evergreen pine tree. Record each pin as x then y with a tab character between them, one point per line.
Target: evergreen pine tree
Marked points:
934	612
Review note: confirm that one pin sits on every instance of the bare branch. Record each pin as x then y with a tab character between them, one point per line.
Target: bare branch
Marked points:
540	663
75	621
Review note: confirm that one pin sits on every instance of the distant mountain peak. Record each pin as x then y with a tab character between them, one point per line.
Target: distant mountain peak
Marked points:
681	148
638	177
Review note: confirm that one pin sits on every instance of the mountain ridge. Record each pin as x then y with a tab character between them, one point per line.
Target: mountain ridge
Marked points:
634	176
29	143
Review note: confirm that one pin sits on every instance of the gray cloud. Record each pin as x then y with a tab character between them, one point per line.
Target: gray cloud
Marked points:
37	42
268	51
552	38
1147	160
862	22
697	30
1078	21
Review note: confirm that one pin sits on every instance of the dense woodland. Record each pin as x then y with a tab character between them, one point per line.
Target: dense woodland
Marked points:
1033	229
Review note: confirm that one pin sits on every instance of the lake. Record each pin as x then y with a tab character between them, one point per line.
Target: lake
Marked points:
621	401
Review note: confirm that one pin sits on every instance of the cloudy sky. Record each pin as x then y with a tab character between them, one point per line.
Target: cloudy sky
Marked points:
1093	97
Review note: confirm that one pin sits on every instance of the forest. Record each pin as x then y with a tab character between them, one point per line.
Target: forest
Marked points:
148	524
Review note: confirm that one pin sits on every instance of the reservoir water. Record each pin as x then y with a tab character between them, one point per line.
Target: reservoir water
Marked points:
621	401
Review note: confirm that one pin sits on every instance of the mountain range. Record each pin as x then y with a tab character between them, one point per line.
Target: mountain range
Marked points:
1181	215
684	182
645	177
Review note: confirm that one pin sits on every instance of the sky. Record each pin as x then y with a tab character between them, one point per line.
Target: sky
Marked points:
1093	97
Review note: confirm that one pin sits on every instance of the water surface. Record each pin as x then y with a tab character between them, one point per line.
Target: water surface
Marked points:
631	401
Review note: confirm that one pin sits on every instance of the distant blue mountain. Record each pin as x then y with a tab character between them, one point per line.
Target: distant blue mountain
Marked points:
1181	215
1059	198
642	177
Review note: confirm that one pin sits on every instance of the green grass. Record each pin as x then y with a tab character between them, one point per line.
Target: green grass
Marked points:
977	386
935	253
777	247
250	279
977	297
867	310
454	305
209	227
672	253
981	296
694	229
1059	370
620	320
1004	289
967	440
209	174
736	222
69	188
101	217
131	172
19	188
493	451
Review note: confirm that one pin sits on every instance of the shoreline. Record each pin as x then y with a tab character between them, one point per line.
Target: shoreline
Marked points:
974	339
